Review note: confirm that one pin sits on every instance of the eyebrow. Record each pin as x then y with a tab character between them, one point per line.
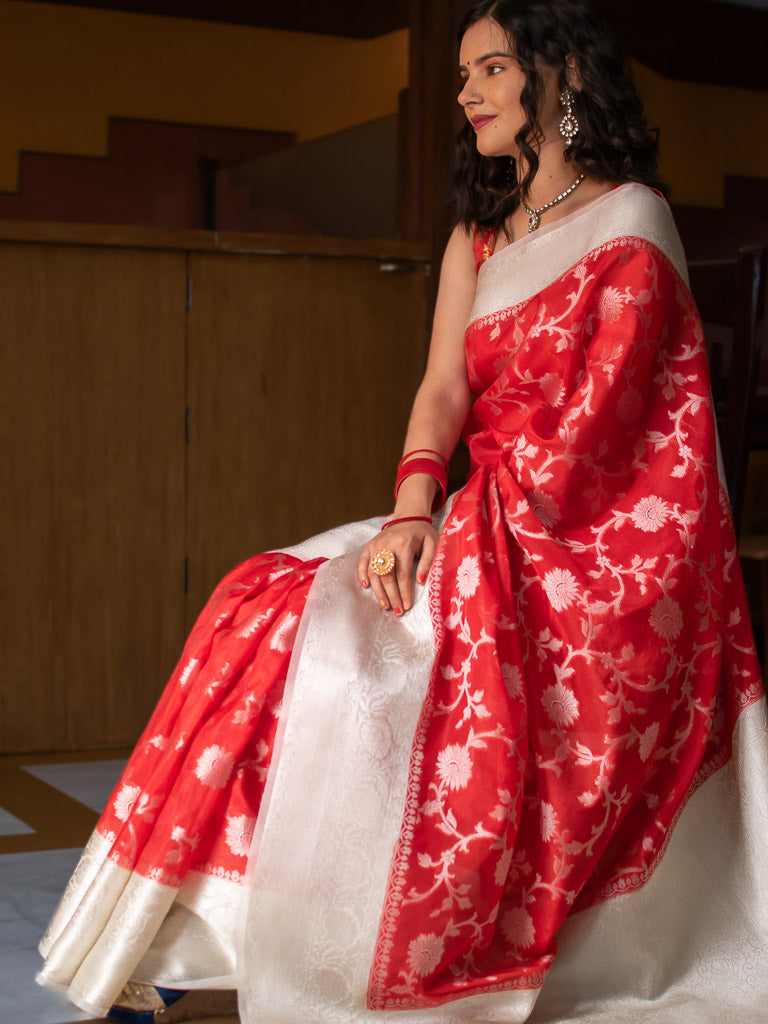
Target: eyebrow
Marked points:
487	56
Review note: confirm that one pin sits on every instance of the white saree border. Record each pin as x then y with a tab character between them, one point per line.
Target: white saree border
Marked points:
527	266
107	918
113	925
332	814
691	945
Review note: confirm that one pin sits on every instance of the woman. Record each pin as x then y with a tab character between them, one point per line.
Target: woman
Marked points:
350	813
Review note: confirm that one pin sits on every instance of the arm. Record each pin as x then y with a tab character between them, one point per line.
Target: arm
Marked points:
439	411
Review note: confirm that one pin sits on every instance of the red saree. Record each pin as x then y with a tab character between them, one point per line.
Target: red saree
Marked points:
347	815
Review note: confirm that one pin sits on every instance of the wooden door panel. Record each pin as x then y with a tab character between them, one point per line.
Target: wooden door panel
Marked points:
103	545
302	371
26	523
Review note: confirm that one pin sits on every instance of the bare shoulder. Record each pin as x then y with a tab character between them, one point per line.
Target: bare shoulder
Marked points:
459	272
460	249
458	282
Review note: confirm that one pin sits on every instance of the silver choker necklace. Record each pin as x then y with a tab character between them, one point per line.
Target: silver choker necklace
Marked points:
534	216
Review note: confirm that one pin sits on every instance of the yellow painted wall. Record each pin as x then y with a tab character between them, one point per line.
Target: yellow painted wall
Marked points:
65	70
707	131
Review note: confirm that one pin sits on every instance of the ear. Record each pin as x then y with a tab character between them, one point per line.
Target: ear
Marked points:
572	73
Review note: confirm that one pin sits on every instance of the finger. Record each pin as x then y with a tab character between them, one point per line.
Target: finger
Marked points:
392	590
362	569
405	580
378	590
376	582
425	560
398	583
388	581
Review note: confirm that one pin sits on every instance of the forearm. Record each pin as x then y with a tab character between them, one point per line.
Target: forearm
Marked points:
436	422
443	401
440	410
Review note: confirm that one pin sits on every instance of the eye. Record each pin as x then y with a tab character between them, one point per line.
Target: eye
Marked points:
494	69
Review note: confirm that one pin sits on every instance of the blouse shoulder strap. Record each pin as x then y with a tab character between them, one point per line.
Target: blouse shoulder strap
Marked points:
484	243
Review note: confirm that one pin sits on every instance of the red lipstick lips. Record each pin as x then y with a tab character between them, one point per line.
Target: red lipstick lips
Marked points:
482	120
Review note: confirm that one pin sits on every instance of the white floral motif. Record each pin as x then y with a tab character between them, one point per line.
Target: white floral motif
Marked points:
454	766
214	767
648	741
629	405
560	704
284	633
552	388
609	305
523	452
125	801
254	623
545	508
189	669
502	867
425	953
561	588
239	834
182	838
217	871
517	925
549	822
468	576
587	798
650	514
666	618
513	679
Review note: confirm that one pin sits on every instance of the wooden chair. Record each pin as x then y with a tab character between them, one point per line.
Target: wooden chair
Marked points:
732	296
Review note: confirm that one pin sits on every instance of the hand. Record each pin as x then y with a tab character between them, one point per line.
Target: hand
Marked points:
409	542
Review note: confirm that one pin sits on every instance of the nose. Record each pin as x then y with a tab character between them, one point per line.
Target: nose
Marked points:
468	93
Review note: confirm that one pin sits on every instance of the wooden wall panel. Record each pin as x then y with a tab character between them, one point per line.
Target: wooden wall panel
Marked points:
96	426
299	369
302	371
26	525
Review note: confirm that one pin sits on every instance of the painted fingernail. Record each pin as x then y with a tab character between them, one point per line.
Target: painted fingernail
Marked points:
383	605
422	577
398	611
363	583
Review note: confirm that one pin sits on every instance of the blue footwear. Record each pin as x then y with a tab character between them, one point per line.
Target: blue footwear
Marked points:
129	1016
165	996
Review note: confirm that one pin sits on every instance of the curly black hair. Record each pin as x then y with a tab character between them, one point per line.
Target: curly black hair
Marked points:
614	143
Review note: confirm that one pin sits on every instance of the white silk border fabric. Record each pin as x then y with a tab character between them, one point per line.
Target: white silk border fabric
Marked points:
516	272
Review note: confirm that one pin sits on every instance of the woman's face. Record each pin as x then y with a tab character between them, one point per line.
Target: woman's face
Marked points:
493	82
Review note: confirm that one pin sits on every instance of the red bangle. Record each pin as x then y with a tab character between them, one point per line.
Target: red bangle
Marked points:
408	519
431	451
430	468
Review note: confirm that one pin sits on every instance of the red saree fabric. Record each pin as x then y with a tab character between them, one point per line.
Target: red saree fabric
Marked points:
594	644
190	794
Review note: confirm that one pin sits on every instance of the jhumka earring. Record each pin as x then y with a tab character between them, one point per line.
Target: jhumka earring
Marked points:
569	126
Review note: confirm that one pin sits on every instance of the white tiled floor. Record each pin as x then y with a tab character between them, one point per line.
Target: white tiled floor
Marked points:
10	826
30	886
89	782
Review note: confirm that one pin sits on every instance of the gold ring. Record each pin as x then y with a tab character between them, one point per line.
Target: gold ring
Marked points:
383	562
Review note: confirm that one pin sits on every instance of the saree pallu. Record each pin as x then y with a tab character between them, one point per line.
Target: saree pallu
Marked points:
352	817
